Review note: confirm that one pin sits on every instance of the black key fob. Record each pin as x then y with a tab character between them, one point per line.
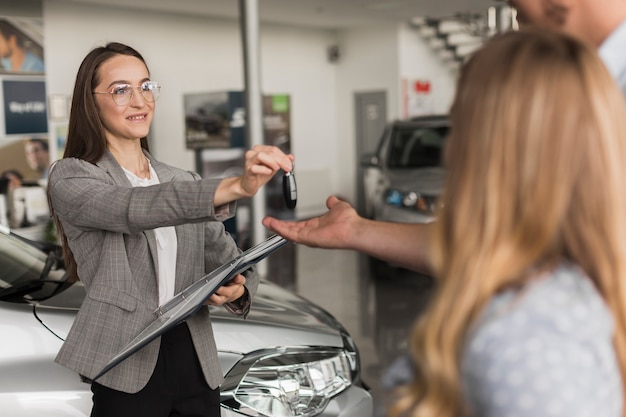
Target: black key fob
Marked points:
290	191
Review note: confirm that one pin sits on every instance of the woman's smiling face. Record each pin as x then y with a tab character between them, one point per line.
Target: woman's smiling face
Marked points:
129	121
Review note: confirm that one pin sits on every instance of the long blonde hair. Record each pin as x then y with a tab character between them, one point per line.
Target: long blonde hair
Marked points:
537	174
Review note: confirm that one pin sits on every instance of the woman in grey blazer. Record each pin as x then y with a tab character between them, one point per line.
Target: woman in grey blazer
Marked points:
135	232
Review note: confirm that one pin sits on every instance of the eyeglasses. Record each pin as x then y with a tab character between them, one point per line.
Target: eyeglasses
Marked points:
122	94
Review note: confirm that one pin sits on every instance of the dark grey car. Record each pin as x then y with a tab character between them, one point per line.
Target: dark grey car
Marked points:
403	180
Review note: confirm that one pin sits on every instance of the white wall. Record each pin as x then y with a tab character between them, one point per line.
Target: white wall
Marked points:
369	62
293	60
188	54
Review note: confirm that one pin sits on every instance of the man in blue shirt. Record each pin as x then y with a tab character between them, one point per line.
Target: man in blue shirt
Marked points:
599	22
13	55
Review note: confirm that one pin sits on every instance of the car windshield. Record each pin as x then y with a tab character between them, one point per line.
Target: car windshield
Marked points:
416	147
26	273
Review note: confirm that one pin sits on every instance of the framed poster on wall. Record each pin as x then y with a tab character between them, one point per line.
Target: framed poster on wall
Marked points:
24	102
23	37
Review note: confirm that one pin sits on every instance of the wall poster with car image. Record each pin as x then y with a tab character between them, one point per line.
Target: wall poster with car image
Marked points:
215	125
209	118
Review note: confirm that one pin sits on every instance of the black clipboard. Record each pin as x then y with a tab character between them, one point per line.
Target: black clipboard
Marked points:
192	298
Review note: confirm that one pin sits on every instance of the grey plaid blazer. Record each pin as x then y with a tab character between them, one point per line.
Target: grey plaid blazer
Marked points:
109	225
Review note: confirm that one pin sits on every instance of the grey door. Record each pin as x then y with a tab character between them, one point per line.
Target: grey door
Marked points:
370	119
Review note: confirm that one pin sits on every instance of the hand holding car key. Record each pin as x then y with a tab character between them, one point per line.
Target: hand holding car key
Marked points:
290	191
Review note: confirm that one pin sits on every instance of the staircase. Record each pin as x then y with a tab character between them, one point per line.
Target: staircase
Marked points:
454	38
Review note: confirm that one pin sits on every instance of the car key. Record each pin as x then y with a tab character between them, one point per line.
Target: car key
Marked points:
290	192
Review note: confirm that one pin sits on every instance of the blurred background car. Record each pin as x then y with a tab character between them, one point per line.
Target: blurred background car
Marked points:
294	359
404	178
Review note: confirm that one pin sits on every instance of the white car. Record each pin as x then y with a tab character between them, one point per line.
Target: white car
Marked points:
295	359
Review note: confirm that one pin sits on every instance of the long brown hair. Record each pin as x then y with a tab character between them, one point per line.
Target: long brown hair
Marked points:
536	175
86	138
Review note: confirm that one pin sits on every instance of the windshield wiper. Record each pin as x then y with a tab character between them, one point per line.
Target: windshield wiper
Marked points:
32	286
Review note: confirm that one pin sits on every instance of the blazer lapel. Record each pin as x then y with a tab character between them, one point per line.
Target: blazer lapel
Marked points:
110	165
185	236
113	168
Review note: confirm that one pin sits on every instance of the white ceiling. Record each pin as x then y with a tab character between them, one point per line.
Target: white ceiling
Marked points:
315	13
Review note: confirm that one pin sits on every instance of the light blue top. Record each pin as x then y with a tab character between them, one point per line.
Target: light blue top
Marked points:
32	63
545	350
613	53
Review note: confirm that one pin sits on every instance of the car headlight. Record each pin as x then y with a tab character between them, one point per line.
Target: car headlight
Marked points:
411	200
288	382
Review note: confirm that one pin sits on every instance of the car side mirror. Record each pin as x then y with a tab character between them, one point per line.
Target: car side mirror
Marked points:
370	161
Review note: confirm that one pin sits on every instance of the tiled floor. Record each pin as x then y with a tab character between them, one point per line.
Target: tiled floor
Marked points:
377	309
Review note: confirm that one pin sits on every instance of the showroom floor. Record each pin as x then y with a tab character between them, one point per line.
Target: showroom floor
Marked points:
378	311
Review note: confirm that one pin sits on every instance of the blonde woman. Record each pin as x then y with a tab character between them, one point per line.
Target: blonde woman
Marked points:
530	248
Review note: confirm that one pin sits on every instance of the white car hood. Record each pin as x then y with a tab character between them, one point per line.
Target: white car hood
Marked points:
277	318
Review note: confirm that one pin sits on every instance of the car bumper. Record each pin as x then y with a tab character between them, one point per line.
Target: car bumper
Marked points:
401	215
353	402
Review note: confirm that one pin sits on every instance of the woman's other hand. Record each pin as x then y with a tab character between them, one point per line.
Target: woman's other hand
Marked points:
229	292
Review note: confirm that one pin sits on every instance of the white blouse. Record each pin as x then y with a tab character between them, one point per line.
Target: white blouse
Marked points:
167	246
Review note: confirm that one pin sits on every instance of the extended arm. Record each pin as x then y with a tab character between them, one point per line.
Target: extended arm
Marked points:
90	196
341	227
